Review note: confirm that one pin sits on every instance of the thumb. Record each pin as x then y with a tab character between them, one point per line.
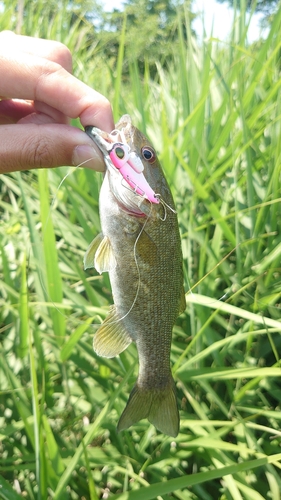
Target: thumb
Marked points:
29	146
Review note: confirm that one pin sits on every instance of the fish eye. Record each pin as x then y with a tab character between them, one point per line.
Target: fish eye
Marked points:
148	154
120	153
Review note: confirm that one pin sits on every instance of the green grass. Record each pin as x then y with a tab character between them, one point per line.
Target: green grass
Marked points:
214	116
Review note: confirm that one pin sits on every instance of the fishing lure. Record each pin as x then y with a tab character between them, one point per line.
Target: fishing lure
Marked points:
127	163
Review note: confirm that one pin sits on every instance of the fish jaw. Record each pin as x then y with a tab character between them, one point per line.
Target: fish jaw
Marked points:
119	155
132	201
102	139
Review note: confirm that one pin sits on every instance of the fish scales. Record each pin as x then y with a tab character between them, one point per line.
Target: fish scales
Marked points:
140	247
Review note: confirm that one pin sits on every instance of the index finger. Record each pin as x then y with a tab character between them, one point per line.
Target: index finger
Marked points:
35	78
47	49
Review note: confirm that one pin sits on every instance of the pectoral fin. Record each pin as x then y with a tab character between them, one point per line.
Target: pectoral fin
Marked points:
111	338
89	257
100	255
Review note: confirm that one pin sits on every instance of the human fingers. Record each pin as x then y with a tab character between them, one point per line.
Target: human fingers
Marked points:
11	111
28	76
46	146
20	111
47	49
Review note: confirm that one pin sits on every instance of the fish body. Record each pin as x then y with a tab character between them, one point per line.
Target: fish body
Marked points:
140	247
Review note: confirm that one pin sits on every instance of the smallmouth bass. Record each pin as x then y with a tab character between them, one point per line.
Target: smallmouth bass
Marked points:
140	247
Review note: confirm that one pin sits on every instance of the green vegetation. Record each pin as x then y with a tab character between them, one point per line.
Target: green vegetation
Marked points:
213	112
265	6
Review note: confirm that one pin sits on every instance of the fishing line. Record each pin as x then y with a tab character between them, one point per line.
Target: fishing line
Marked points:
73	169
41	274
138	271
137	266
164	205
134	251
225	297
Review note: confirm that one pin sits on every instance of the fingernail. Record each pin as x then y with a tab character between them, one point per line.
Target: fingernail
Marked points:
87	156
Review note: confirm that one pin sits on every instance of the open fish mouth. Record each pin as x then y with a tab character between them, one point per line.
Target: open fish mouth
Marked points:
119	156
102	139
129	185
129	200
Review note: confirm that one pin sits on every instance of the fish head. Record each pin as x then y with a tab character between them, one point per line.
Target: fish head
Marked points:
134	173
141	148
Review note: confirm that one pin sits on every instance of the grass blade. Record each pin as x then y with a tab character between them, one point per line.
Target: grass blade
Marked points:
53	275
199	478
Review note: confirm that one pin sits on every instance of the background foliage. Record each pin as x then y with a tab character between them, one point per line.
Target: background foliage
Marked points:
213	112
268	7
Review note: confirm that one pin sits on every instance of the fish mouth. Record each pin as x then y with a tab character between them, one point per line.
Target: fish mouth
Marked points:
128	201
102	139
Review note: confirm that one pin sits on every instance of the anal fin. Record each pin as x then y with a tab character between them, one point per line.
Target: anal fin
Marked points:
111	337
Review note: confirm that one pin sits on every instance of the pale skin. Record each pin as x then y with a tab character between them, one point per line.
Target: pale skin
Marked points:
38	97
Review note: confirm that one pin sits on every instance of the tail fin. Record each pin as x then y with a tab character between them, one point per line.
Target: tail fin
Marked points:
159	406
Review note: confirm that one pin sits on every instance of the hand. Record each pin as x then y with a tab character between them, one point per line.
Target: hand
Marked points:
38	96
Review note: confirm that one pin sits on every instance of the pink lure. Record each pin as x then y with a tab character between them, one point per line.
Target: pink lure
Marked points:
131	167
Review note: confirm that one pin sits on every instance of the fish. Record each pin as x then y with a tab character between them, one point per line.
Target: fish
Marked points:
140	248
